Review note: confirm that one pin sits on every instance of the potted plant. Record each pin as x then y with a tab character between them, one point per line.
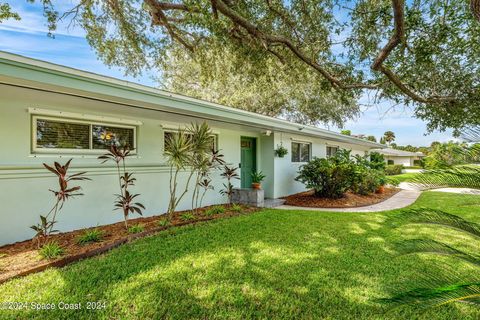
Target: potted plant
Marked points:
281	151
257	178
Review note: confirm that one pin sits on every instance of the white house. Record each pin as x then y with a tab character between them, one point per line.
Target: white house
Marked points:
406	158
38	99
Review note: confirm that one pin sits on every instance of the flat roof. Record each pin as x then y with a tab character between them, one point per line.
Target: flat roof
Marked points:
30	72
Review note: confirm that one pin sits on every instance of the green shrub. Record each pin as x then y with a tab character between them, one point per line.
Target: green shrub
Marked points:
163	222
187	216
136	228
215	210
367	181
51	250
377	161
330	177
94	235
236	208
394	169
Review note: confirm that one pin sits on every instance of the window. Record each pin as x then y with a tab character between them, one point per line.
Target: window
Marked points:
66	135
300	152
389	162
168	134
331	151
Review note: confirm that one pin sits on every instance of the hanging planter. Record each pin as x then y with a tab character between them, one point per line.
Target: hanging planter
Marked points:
281	151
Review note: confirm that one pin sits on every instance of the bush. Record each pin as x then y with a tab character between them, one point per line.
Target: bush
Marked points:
330	177
94	235
377	161
367	180
51	250
394	169
163	222
187	216
136	228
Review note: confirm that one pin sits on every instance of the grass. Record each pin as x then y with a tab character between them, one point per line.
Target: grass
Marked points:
268	265
404	177
93	235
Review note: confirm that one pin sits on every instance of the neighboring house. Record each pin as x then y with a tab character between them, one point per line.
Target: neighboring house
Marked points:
394	156
54	113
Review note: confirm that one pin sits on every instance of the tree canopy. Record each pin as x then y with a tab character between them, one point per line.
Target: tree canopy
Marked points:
421	53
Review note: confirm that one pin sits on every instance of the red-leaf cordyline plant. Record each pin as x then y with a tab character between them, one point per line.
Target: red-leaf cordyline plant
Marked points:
229	173
125	199
45	227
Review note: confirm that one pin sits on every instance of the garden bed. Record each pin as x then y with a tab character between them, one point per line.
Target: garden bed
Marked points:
22	258
350	200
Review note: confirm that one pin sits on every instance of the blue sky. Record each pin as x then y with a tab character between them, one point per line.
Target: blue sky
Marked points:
28	37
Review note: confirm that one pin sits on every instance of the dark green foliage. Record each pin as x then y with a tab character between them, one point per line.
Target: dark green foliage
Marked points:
393	169
377	161
257	177
281	151
137	228
330	177
367	180
93	235
51	250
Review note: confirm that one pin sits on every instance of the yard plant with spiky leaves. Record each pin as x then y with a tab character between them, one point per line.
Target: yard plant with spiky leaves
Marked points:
64	192
125	199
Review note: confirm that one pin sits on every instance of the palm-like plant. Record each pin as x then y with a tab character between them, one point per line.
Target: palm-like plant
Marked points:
427	297
125	199
461	176
229	173
64	192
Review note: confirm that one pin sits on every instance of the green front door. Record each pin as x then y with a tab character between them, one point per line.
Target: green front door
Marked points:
248	161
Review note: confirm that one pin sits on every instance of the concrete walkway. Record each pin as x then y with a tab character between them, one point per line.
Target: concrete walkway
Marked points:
402	199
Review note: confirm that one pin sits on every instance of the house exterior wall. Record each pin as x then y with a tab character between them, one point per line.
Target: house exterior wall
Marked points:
286	170
24	183
405	161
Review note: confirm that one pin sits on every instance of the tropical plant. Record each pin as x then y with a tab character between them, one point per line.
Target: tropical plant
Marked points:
447	155
346	132
236	208
330	177
229	173
257	177
426	295
372	138
389	137
163	222
377	161
367	180
281	151
92	235
125	200
64	192
51	250
190	148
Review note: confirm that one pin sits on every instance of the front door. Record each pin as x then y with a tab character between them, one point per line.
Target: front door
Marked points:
248	162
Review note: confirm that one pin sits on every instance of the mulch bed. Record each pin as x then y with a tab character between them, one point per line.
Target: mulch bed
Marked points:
350	200
22	258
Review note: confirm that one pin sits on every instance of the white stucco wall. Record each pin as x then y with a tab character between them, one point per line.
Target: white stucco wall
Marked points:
406	161
24	183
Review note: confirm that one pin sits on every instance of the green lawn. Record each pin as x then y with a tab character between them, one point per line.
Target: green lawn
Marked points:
404	177
271	264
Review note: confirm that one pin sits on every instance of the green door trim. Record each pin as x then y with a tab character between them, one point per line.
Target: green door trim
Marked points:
248	160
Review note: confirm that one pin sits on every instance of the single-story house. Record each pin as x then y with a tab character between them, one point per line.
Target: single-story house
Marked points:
406	158
44	106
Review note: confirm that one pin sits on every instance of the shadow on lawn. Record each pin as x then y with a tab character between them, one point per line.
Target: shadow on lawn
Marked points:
267	265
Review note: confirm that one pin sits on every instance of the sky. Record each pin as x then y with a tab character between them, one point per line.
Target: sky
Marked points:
69	47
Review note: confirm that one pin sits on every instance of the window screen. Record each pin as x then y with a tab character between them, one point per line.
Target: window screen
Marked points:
301	152
53	134
105	136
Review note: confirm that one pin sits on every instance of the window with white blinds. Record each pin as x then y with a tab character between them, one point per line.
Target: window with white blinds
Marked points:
58	135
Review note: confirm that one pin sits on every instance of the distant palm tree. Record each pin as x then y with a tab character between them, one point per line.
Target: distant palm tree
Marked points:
389	137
